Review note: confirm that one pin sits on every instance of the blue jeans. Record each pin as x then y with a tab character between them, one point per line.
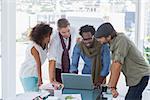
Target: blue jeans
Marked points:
135	92
30	84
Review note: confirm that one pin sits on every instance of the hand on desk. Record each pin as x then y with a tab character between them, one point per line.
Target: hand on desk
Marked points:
114	92
75	72
57	85
40	82
100	80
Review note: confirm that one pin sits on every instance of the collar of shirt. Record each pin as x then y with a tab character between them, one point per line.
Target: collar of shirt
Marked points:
114	41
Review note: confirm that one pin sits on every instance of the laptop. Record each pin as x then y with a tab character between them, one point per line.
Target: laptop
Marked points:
76	81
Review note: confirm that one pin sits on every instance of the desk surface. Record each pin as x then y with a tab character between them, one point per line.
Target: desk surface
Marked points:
31	95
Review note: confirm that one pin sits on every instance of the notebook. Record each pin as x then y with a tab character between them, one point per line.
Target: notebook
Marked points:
76	81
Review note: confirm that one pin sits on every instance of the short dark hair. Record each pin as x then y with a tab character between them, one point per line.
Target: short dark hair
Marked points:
105	30
87	28
61	23
39	32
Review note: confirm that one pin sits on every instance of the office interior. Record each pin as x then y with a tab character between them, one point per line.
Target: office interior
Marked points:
131	17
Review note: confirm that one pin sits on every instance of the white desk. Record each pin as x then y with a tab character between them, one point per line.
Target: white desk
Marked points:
31	95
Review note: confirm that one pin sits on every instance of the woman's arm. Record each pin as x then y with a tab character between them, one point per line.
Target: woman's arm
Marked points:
36	56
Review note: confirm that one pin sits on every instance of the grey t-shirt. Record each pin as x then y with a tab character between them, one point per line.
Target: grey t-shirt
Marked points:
134	66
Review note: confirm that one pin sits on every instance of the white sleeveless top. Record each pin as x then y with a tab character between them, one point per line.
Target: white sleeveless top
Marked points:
28	67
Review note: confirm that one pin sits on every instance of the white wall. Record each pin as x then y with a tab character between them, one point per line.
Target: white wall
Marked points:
8	49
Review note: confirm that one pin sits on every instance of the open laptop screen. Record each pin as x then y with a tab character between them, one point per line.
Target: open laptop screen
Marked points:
76	81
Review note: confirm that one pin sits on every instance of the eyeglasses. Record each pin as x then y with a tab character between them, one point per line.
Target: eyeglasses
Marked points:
87	40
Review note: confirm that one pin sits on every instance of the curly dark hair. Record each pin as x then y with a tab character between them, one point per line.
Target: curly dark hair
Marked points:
39	32
87	28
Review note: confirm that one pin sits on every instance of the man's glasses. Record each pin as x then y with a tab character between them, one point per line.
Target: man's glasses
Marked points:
87	40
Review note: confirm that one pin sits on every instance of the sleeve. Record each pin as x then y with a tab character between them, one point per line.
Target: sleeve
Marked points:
52	51
75	58
121	50
105	59
73	43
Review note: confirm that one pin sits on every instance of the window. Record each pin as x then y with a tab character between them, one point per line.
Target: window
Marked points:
145	28
121	13
0	54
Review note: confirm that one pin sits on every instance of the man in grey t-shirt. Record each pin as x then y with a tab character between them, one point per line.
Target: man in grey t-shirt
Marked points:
126	58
